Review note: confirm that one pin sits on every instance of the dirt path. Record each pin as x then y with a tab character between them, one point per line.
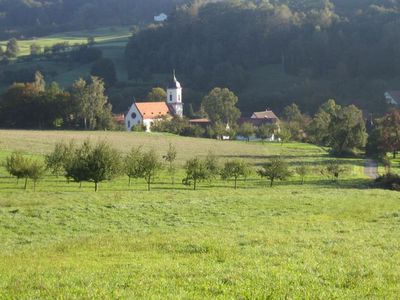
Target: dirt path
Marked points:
371	169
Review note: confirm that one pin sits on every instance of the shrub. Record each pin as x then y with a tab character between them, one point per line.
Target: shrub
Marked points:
388	181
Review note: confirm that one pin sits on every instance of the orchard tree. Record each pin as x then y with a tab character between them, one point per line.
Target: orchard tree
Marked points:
35	172
58	160
220	106
104	163
150	164
275	169
334	169
170	158
302	170
16	165
196	172
235	169
132	164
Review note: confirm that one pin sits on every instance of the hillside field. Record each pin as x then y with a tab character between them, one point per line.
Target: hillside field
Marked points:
322	240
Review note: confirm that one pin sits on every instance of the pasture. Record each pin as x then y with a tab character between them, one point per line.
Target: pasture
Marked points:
322	240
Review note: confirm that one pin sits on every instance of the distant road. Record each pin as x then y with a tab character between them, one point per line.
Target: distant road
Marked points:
371	168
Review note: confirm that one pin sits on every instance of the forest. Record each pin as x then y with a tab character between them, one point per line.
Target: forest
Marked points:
347	50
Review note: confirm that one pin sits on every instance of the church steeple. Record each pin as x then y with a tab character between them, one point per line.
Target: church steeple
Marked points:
174	94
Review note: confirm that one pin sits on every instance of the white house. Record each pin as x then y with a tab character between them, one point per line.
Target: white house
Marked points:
393	97
161	18
146	113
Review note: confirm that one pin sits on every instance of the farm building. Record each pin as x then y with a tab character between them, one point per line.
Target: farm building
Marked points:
257	119
146	113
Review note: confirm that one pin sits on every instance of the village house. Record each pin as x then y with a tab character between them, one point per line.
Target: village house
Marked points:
257	119
146	113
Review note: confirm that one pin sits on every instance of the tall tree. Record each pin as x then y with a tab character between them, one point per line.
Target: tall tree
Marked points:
92	103
12	48
220	106
156	95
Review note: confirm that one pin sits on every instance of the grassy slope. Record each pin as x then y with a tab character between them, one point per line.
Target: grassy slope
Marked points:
321	240
111	41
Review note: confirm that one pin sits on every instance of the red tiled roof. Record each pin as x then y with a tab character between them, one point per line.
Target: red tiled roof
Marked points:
153	110
268	114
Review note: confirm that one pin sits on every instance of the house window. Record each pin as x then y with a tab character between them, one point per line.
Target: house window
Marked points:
133	115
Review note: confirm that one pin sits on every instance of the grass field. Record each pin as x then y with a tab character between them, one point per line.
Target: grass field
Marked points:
322	240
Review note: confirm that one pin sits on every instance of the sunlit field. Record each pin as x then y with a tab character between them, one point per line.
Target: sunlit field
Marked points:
320	240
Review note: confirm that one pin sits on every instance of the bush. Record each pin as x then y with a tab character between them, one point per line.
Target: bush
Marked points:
388	181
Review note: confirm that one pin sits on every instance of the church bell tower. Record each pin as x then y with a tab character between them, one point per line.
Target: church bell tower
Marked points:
174	94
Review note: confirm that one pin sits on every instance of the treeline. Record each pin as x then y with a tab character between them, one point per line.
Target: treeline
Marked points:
346	49
37	105
100	162
35	18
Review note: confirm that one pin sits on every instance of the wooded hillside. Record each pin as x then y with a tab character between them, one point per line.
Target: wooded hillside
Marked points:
348	50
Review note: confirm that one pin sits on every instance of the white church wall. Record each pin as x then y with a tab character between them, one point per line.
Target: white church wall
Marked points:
133	118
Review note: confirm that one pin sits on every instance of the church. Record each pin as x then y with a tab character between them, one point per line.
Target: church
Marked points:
146	113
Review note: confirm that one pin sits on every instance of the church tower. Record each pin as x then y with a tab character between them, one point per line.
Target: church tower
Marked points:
174	94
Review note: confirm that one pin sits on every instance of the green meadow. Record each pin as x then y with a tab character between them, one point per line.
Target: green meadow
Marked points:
320	240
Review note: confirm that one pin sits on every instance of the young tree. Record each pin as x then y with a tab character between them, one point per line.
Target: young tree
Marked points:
246	130
212	165
104	163
150	165
35	172
16	165
133	163
235	169
170	158
220	106
196	171
302	170
60	158
275	169
77	169
334	170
